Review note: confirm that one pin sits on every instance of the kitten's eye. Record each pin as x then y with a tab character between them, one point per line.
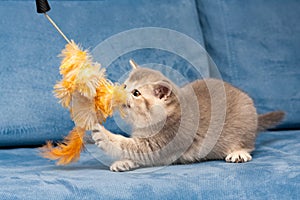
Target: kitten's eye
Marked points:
135	93
124	86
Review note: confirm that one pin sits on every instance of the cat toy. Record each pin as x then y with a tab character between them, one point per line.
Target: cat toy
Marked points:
85	91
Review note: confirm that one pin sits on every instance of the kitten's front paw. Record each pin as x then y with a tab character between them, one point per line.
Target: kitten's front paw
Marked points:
99	136
123	165
238	157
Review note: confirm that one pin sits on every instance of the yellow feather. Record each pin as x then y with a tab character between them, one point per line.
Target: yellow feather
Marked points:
90	97
73	58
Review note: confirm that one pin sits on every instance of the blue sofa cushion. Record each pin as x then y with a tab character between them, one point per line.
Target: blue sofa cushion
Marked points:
273	173
29	114
255	45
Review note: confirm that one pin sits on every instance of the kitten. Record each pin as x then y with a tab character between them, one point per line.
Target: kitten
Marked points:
204	120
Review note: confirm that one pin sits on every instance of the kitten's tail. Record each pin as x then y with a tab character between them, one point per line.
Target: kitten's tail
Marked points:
269	120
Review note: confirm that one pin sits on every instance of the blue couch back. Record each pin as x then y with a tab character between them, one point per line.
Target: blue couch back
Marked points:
255	45
30	45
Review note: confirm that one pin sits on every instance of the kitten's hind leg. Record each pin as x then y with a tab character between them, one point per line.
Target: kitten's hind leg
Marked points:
239	156
123	165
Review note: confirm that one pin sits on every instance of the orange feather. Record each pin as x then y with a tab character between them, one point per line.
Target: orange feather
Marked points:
67	151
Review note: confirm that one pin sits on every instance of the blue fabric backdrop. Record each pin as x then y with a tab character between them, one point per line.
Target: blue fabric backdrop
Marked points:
29	114
256	45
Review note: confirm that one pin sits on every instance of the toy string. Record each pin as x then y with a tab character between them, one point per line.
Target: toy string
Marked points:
57	28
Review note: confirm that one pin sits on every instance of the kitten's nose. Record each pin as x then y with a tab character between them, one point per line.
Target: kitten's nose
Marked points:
126	105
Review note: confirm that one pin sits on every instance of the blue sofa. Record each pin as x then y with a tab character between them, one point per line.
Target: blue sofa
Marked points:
254	44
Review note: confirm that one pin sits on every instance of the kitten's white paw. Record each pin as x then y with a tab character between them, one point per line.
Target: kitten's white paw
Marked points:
99	136
123	165
238	157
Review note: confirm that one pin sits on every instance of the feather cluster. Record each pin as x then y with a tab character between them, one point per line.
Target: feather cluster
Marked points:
90	97
67	151
79	73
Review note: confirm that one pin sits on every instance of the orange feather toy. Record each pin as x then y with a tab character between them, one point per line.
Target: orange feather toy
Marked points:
83	89
90	97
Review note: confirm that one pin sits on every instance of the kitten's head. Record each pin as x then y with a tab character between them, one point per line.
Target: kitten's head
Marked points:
150	97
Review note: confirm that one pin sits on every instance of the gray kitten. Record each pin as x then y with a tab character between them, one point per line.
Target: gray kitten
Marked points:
204	120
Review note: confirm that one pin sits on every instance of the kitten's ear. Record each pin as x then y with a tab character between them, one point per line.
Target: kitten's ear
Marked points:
133	64
162	89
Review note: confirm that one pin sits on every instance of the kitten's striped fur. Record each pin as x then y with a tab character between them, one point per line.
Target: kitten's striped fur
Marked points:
206	119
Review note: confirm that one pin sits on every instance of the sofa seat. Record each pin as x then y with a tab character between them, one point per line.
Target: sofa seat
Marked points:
272	174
